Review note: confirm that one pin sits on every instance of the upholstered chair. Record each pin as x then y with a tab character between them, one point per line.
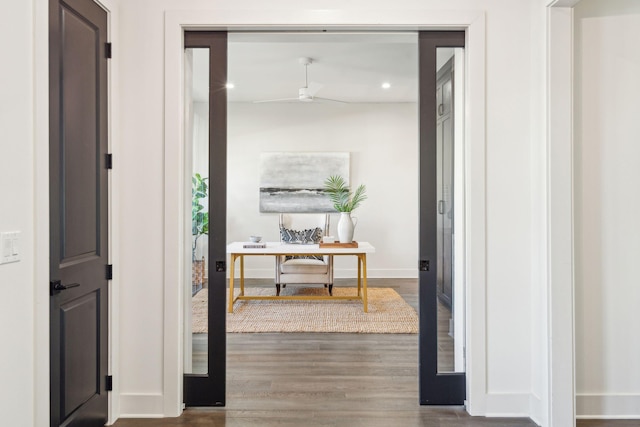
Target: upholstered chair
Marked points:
304	229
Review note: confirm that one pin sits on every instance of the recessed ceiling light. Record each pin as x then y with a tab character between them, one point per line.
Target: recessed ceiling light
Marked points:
386	85
230	85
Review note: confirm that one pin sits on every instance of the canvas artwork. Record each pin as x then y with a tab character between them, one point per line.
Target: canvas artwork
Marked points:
293	182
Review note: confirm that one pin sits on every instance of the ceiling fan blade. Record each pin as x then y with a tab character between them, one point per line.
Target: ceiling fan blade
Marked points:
307	92
318	98
276	100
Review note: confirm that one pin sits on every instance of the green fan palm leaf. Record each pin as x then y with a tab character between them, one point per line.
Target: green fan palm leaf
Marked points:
343	199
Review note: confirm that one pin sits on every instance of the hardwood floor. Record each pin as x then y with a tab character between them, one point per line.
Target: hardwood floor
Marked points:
321	379
608	423
407	288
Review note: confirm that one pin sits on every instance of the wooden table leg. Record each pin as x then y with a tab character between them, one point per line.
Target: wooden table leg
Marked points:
364	283
233	267
242	275
359	275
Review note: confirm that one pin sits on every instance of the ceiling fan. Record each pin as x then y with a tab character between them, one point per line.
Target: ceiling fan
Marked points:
308	91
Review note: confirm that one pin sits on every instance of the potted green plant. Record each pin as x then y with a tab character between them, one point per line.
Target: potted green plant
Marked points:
344	201
199	227
199	216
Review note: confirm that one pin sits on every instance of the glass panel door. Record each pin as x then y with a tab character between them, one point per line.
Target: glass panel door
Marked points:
197	148
442	378
205	210
450	202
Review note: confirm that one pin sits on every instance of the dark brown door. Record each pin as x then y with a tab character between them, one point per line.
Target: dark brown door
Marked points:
78	213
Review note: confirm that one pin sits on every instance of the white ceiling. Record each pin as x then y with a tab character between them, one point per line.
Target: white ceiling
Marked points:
350	66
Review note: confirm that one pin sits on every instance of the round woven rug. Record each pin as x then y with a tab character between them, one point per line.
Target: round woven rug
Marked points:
388	312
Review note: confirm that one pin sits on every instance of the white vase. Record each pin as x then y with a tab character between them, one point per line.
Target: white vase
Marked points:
346	225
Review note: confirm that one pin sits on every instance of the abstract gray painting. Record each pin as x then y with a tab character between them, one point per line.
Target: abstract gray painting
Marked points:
293	182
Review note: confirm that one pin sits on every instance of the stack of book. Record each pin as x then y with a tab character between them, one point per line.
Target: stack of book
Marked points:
252	245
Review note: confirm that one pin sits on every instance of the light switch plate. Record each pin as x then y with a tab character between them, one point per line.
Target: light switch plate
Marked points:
9	247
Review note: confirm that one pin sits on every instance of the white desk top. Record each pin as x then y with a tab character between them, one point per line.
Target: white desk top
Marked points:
278	248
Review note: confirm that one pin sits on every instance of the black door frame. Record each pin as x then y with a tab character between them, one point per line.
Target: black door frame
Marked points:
209	389
435	388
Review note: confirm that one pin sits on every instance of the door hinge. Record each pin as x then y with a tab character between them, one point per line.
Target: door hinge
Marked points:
109	161
424	265
109	272
221	266
109	383
107	50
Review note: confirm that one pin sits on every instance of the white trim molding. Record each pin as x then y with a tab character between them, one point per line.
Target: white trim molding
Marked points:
114	186
560	280
515	405
562	3
176	21
608	406
476	217
142	405
41	212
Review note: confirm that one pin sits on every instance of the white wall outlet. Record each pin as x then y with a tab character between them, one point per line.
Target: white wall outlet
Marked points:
9	247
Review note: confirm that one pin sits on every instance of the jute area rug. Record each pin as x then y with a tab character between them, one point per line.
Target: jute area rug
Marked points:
388	312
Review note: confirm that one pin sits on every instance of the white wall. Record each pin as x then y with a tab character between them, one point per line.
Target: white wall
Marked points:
140	170
601	321
17	214
607	207
21	305
508	199
383	142
509	207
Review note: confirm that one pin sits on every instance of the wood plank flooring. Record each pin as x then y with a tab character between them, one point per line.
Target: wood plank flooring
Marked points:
349	380
407	288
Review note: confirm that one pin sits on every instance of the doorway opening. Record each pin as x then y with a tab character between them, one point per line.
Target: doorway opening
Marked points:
380	135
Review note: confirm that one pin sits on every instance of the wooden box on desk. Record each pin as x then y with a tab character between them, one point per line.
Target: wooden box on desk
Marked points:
353	244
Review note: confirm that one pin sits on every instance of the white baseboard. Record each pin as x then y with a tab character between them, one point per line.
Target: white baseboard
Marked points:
141	405
409	273
537	412
508	405
608	406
